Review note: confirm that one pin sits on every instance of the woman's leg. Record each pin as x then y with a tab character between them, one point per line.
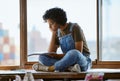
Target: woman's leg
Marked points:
46	63
72	57
47	60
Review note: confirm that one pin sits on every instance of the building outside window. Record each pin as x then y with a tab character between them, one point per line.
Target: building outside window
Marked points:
9	33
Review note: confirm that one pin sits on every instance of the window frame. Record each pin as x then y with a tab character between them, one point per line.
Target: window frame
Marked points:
97	63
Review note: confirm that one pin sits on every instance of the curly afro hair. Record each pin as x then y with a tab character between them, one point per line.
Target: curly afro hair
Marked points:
58	15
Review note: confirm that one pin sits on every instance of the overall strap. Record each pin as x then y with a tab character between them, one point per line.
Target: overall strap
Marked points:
58	32
71	27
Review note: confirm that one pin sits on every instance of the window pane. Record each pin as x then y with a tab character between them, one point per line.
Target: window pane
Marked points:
9	33
111	33
82	12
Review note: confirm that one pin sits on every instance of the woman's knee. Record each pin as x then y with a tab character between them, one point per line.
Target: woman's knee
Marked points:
74	52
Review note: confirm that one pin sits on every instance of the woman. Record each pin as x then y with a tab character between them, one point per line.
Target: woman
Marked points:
70	37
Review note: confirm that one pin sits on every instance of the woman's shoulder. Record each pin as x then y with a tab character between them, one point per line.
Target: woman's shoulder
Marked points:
76	26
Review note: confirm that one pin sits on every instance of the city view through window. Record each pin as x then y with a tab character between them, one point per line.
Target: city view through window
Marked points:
110	30
9	33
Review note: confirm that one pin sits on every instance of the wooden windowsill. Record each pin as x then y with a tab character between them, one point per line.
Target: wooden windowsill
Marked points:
108	74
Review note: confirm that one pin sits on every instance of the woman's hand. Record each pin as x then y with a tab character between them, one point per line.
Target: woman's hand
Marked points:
53	31
52	55
56	56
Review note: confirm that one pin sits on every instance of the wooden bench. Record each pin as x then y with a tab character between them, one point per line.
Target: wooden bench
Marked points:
66	76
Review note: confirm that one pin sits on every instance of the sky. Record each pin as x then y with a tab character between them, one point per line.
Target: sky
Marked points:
10	19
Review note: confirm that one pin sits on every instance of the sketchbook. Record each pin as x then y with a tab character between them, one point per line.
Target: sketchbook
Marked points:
46	53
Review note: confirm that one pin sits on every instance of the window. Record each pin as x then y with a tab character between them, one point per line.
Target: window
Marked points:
28	25
9	33
82	12
110	30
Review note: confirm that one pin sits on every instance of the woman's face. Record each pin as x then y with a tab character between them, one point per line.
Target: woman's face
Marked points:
52	25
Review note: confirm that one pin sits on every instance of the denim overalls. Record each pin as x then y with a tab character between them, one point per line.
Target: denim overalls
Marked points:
72	56
66	42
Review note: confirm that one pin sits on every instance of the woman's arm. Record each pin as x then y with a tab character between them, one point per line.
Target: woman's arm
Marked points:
52	46
78	37
79	46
